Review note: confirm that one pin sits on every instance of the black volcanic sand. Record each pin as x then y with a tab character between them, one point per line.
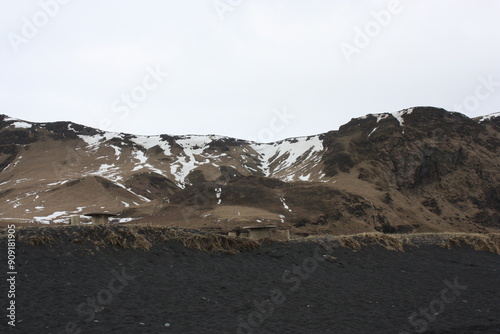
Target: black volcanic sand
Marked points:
180	290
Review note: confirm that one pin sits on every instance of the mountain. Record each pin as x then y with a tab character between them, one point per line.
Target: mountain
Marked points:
418	169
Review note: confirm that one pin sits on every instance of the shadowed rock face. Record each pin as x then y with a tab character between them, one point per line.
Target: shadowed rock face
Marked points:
438	152
432	144
151	185
422	169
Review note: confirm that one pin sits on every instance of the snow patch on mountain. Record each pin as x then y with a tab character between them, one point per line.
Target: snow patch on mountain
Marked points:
266	153
191	146
17	161
151	141
304	177
144	199
194	144
282	199
91	140
58	183
399	115
298	151
488	117
218	192
286	153
381	116
107	170
21	125
94	140
139	155
374	129
51	217
118	151
143	164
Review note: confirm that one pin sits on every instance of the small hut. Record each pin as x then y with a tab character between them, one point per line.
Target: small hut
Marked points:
100	218
259	232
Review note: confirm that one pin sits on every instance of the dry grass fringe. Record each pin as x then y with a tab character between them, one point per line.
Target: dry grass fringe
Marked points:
366	239
357	241
134	237
478	242
144	237
211	242
397	242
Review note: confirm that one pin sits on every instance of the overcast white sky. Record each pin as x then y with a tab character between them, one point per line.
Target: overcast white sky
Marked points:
233	65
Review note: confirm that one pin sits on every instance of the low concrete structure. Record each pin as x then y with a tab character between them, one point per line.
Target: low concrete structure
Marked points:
259	232
243	234
100	217
282	235
75	220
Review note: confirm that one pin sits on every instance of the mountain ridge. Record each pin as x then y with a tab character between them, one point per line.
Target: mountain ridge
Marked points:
376	172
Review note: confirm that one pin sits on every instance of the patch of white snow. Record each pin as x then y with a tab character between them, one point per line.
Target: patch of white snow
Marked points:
284	204
218	192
